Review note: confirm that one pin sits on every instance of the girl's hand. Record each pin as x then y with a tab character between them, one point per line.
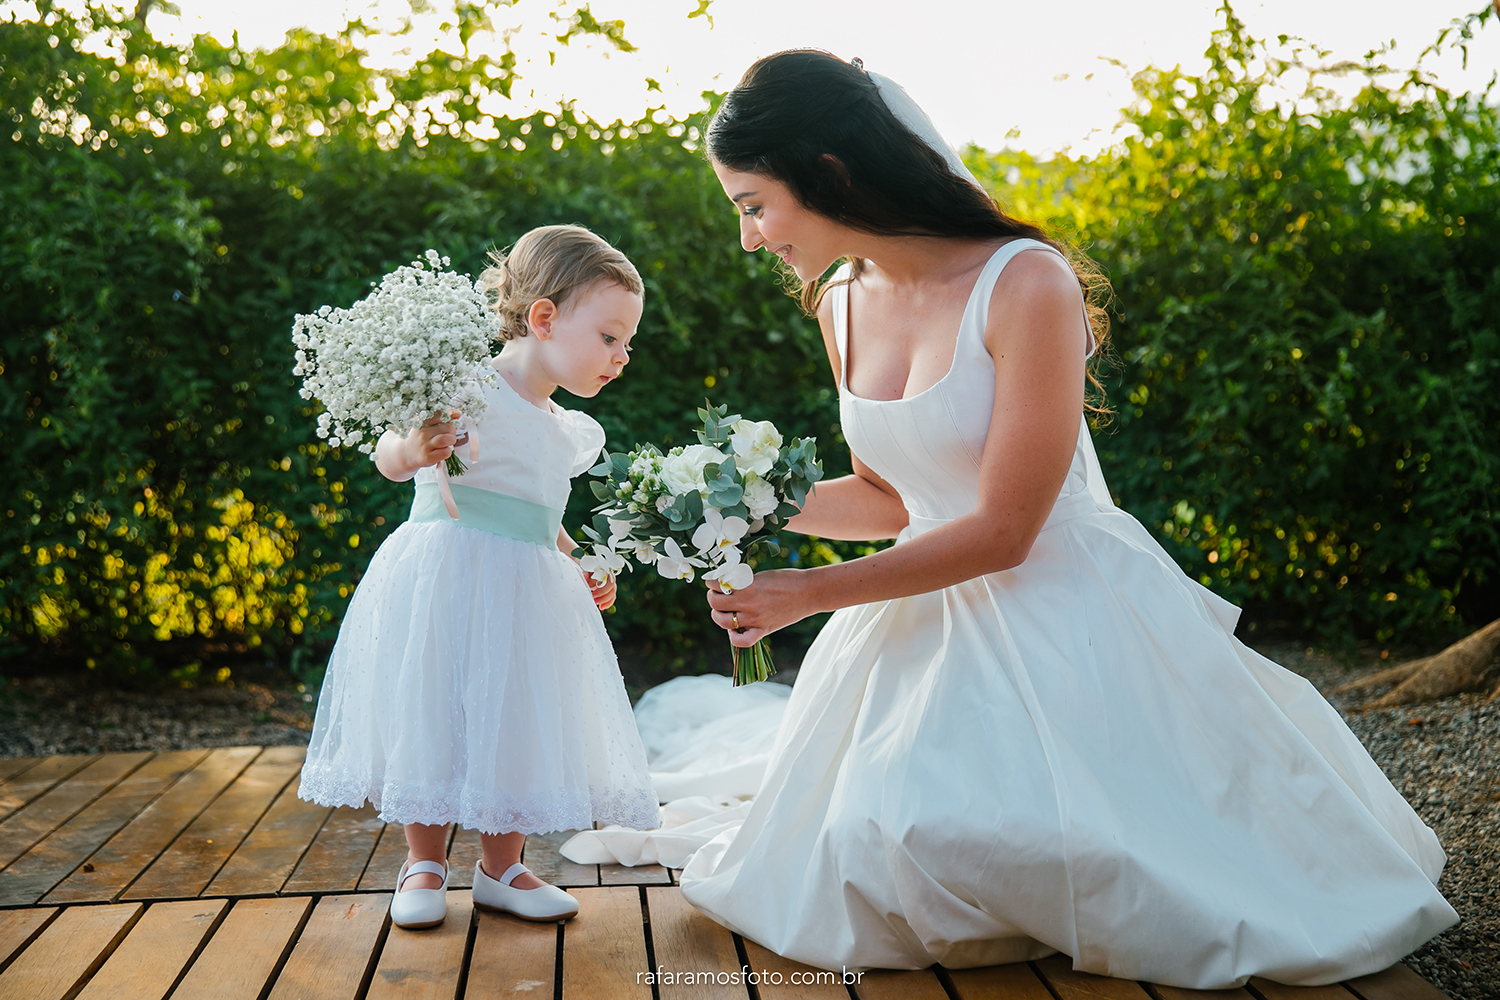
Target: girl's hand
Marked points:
777	598
434	441
398	458
603	593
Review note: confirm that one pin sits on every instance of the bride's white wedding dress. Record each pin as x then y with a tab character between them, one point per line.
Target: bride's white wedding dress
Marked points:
1075	755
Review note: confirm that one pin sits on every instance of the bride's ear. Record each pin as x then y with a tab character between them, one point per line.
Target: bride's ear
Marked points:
540	317
837	166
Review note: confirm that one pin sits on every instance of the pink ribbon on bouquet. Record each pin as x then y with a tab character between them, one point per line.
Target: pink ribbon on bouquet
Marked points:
444	489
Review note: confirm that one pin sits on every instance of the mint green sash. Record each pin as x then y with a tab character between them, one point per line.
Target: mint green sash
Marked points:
497	513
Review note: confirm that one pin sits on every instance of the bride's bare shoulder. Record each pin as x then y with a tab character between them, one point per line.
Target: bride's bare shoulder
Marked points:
1038	284
1037	305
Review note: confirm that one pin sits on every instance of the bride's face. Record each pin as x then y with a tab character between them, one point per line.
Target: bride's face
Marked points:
771	218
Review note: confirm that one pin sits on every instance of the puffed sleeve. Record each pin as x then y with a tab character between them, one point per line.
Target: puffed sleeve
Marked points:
588	440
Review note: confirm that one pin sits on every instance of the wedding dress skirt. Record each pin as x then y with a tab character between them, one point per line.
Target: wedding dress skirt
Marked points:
1075	755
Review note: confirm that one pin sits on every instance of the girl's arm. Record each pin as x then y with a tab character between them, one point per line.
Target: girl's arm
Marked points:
858	508
602	593
1039	349
398	458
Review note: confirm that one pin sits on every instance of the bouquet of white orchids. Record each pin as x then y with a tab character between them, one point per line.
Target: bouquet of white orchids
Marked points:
417	346
711	506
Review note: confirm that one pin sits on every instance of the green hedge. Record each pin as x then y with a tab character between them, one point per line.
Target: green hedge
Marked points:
1301	356
1307	325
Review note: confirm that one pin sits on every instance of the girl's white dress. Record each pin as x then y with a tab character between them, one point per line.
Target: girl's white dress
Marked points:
1074	755
472	681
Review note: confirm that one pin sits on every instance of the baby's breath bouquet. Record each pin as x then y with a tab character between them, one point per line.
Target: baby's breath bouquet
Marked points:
418	346
710	506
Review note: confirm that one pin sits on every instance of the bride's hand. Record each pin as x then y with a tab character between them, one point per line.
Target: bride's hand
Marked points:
775	600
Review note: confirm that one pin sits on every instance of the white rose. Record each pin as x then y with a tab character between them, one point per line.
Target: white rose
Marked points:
683	473
756	444
760	498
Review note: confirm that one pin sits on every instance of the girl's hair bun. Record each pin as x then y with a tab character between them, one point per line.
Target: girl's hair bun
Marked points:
551	262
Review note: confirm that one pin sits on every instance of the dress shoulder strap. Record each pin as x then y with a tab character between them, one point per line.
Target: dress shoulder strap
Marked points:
977	315
839	303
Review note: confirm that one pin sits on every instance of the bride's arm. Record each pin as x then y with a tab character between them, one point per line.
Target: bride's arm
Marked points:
1035	336
858	508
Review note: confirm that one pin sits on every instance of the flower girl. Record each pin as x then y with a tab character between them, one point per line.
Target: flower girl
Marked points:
472	681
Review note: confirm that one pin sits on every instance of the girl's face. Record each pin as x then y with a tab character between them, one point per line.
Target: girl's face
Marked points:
772	218
585	345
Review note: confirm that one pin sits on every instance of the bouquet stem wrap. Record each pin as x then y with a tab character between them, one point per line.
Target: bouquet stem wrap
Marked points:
453	466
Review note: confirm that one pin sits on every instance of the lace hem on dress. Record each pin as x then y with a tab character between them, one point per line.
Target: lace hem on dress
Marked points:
635	808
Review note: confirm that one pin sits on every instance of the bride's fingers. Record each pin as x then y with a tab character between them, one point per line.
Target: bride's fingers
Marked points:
720	601
749	637
725	620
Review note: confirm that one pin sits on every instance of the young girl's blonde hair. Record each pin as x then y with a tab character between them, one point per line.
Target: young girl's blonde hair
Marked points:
551	262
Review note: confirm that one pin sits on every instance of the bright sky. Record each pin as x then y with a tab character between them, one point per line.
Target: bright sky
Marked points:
981	68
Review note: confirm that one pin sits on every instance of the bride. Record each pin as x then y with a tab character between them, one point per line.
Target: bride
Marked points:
1024	730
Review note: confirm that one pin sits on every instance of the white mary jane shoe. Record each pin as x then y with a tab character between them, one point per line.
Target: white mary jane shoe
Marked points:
420	907
544	903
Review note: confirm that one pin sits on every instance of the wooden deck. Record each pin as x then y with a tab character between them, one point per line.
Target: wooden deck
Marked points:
200	874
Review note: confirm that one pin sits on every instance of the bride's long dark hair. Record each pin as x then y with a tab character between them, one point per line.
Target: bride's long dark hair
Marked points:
791	110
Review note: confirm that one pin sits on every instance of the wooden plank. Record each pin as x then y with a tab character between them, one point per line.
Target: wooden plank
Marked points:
425	964
639	875
1280	991
540	855
385	863
1396	983
336	951
1178	993
11	767
1070	985
883	984
18	927
38	780
463	854
776	975
28	825
158	948
340	854
195	857
691	951
512	958
604	947
33	874
245	950
266	859
128	852
68	952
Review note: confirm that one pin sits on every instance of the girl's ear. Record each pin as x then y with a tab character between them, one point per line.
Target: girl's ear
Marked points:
540	317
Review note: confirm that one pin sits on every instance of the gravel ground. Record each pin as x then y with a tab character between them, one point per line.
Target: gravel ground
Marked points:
1442	757
40	716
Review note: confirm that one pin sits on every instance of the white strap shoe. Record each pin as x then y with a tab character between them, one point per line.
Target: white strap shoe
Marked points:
544	903
412	908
